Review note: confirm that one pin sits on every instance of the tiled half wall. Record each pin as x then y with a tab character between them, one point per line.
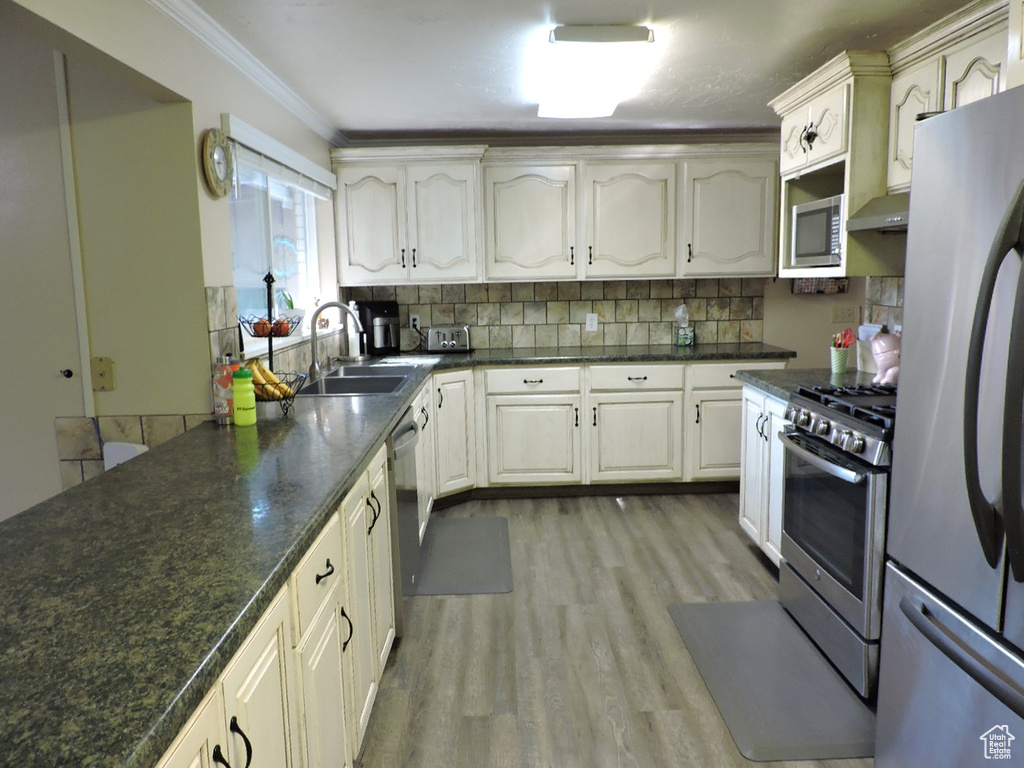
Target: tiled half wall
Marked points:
553	314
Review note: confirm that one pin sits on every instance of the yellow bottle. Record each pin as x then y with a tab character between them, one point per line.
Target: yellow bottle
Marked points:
245	398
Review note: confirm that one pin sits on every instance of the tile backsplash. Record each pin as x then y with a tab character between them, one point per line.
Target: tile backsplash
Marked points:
553	314
884	301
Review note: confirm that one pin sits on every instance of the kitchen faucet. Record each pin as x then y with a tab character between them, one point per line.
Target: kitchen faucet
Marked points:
314	367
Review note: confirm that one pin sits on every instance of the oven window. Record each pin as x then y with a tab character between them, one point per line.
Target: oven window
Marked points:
826	517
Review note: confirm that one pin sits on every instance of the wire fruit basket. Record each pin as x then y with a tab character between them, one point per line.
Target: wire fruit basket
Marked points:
272	387
261	327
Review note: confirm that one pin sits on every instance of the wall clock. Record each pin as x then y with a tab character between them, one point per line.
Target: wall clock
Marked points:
218	165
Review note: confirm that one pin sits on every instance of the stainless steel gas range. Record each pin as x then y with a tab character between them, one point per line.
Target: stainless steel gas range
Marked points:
838	458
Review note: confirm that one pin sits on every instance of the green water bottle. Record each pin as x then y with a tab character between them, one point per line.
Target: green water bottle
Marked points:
245	398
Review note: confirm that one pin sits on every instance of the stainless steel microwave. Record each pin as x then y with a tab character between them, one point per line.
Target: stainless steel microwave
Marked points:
816	237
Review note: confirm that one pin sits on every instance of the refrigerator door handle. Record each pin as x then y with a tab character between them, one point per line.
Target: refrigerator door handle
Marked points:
987	517
964	656
1013	434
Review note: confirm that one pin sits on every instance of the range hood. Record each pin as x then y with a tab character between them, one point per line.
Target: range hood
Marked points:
886	213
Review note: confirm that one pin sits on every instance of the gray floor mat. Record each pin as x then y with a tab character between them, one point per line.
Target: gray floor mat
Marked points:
776	692
465	556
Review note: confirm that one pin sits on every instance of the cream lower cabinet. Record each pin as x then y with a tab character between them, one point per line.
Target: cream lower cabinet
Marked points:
713	417
762	471
455	431
382	594
426	471
533	426
201	738
633	416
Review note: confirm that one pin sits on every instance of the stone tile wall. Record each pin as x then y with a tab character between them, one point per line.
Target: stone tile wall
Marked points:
553	314
884	301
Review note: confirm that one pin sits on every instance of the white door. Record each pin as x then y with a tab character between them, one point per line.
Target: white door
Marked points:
631	215
714	421
326	714
372	227
533	439
530	219
729	217
635	436
41	327
441	211
455	441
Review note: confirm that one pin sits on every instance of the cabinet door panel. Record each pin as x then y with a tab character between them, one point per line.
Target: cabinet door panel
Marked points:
974	71
793	152
631	220
455	443
372	223
326	715
828	114
636	436
713	442
530	215
775	476
193	748
382	593
442	222
533	439
751	467
358	609
729	217
912	92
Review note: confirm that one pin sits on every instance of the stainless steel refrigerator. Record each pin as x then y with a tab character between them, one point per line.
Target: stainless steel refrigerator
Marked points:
951	678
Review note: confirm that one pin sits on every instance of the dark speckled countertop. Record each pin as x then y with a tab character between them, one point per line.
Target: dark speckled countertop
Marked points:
123	598
779	383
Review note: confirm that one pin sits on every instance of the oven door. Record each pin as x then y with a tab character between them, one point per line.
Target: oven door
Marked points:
833	527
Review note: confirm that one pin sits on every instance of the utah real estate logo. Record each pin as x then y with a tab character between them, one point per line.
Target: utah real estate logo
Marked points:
997	742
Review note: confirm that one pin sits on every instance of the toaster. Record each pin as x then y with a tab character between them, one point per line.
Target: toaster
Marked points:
448	338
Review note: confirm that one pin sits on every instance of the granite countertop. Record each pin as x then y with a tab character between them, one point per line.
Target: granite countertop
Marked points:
123	598
780	383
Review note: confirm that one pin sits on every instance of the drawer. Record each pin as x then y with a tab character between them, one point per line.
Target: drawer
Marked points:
719	375
324	560
529	380
630	377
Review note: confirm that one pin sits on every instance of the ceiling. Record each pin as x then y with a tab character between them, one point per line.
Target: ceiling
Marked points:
383	69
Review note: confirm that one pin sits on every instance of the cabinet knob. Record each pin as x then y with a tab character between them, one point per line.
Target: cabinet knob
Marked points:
67	373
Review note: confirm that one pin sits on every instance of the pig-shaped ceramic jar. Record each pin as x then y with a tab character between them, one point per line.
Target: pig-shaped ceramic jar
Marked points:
885	348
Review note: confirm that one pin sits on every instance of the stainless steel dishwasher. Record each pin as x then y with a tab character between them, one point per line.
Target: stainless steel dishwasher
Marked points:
405	537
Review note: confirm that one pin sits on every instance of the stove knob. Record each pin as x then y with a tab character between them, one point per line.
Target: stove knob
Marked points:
821	427
843	438
856	444
802	419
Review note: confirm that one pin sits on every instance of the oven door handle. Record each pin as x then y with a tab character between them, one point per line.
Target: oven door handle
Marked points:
828	467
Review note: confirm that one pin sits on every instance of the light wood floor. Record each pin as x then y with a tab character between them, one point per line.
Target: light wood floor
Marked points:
581	664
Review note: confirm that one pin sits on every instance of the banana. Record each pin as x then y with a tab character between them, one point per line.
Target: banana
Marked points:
260	386
274	383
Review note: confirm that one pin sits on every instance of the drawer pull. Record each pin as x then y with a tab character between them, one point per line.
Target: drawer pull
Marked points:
403	258
577	416
414	258
595	416
329	572
376	511
572	255
440	398
698	414
590	248
637	378
533	381
351	630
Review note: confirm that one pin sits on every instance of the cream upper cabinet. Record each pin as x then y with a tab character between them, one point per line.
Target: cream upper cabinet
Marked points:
455	431
403	218
816	131
631	217
1015	45
915	91
729	215
975	69
530	222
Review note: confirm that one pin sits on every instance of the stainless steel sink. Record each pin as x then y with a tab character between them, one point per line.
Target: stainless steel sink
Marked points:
354	385
372	370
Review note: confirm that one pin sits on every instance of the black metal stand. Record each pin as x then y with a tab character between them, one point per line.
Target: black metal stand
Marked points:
269	280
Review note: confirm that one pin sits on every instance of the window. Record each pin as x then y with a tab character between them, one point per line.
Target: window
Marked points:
273	230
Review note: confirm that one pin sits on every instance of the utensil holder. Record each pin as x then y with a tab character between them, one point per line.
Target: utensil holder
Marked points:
839	359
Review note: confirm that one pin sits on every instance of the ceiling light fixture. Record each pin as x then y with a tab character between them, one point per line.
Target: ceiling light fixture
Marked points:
587	69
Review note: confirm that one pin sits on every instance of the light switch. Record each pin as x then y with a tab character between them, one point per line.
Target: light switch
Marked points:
102	374
591	322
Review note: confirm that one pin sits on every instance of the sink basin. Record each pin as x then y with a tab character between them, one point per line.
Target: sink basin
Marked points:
354	385
372	370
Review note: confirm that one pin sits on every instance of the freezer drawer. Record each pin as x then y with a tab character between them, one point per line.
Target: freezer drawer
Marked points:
931	711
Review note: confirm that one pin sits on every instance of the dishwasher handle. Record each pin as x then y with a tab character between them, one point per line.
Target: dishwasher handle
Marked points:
401	447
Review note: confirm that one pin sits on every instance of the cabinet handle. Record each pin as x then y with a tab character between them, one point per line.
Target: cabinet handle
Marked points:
533	381
636	378
698	414
414	258
572	255
351	629
329	572
376	511
67	373
689	251
807	136
234	727
757	424
440	398
590	260
577	416
426	416
218	757
403	258
595	416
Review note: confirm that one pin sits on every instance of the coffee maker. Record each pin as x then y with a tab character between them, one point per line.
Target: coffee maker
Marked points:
381	327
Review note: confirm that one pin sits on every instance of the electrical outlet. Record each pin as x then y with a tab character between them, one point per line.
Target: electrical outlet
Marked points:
414	322
844	313
591	322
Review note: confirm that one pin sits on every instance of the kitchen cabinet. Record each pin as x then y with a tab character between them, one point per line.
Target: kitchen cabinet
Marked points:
834	139
455	432
729	215
195	744
404	218
259	692
762	470
633	415
533	425
530	221
382	591
961	58
426	470
1015	45
713	418
631	219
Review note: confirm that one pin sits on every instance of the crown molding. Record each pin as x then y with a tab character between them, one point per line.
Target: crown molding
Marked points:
211	34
